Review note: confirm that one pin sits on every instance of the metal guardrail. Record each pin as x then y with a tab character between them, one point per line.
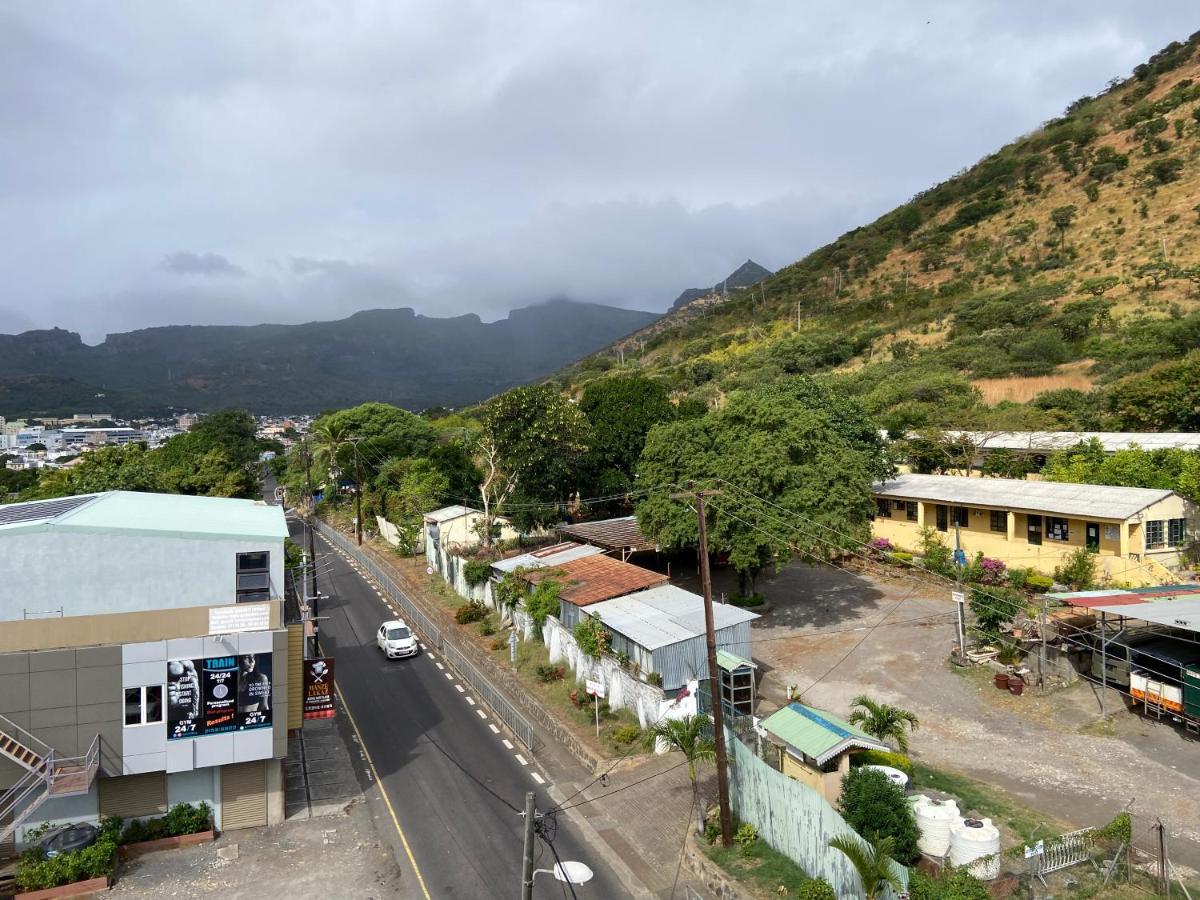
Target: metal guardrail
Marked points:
488	692
507	713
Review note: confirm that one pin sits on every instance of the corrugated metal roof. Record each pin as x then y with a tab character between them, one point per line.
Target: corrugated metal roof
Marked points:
1094	501
1111	441
1181	613
546	556
664	615
592	579
1125	596
611	534
446	513
816	733
730	661
174	514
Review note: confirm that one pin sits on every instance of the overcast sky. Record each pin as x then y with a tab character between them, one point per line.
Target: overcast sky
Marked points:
231	162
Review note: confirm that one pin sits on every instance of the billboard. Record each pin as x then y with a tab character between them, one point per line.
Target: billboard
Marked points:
218	695
318	688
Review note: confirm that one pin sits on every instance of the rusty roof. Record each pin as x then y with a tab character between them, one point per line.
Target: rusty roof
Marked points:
595	578
611	534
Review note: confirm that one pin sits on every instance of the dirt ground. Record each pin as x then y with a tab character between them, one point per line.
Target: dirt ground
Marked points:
332	856
1051	752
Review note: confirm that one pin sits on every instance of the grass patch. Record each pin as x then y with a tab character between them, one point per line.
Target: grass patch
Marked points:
760	865
986	800
1099	728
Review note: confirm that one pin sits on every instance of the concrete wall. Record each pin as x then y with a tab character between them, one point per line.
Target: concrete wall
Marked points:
1121	556
461	532
91	573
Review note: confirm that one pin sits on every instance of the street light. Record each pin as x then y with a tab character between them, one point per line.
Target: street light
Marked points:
570	871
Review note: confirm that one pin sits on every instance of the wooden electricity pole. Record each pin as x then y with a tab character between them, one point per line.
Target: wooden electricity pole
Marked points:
714	679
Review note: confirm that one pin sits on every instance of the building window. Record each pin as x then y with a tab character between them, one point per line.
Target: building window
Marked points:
253	576
1056	528
960	516
1154	535
999	521
910	510
1176	532
883	509
144	705
942	517
1034	529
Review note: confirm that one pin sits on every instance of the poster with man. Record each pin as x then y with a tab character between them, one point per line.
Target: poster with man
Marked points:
254	691
183	699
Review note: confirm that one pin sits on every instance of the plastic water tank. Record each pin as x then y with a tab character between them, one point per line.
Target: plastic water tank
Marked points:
934	818
975	843
895	776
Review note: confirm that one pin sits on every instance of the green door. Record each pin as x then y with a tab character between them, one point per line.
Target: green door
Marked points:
1191	693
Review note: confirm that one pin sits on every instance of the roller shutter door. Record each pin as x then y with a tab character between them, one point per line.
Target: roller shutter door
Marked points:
243	795
131	796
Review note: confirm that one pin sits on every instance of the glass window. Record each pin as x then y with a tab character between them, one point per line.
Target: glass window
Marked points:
1176	532
1154	534
253	577
1034	529
910	510
999	521
397	634
154	704
1057	528
883	508
133	706
961	516
254	562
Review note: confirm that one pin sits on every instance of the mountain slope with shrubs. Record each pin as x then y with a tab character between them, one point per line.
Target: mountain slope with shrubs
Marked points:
1055	284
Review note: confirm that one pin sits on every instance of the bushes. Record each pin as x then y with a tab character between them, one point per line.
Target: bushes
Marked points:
935	555
1078	570
995	608
872	805
473	611
477	572
745	837
957	885
591	636
1039	584
627	734
883	758
755	599
181	819
547	674
542	601
36	872
815	889
486	628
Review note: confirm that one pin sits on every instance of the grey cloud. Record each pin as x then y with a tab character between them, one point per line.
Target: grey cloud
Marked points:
474	157
210	265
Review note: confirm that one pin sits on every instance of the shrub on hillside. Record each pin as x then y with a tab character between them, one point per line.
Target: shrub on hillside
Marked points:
872	805
477	571
958	884
815	889
470	612
883	758
1078	570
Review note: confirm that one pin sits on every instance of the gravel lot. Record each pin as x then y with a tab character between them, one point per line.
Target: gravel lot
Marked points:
1047	751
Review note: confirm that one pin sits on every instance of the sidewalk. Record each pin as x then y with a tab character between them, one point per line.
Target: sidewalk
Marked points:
637	814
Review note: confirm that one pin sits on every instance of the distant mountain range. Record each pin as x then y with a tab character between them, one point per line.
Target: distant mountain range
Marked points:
743	276
391	355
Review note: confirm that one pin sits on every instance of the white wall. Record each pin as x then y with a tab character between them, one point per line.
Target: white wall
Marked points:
88	574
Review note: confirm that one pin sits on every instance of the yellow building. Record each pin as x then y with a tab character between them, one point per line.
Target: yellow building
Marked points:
1138	534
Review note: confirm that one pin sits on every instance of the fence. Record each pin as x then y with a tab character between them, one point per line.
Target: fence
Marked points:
504	710
792	818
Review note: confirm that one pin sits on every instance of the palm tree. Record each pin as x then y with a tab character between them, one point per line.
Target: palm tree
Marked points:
331	438
687	735
883	721
872	860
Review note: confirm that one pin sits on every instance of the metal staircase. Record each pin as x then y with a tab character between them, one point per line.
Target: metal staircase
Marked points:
46	774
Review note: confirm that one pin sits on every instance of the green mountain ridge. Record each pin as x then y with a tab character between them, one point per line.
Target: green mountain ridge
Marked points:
1055	284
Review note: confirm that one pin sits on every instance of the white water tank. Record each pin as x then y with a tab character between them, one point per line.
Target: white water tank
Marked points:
895	776
975	843
934	818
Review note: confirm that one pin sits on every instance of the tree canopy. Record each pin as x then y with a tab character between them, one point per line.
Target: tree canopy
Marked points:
621	411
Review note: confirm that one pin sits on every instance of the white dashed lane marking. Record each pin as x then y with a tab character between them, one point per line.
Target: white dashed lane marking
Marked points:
449	676
439	665
508	743
495	730
469	700
538	778
460	688
522	760
481	713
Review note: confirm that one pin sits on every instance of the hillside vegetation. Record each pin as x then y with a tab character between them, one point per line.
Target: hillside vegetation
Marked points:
1055	284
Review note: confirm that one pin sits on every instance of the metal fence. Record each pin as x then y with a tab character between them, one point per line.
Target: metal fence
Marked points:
504	710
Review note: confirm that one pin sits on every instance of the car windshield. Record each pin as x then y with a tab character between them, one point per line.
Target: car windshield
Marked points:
397	633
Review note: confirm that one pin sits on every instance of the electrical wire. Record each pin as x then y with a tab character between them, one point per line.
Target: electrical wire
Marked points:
623	788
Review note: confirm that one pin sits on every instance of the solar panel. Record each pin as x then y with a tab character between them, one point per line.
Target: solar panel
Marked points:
41	509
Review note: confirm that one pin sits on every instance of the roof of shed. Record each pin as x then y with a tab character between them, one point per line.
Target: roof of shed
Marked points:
447	513
664	615
553	555
611	534
1089	500
136	511
591	579
817	733
1182	612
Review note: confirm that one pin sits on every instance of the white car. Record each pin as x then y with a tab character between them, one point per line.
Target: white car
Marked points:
396	640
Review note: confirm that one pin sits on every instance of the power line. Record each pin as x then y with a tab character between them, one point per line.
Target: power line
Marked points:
624	788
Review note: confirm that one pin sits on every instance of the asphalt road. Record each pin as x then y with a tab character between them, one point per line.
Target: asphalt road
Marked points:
455	787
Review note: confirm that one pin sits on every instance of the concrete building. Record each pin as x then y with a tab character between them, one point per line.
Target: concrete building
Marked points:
144	659
1138	534
84	437
458	526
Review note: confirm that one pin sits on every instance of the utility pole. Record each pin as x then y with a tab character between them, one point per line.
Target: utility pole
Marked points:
358	522
312	504
960	596
1042	635
527	859
1164	878
714	680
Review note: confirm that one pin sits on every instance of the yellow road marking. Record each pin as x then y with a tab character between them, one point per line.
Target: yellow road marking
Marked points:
383	790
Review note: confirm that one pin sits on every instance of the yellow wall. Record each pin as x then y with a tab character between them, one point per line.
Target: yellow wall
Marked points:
1136	567
827	784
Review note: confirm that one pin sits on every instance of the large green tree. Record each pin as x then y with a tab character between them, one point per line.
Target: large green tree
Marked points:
1165	468
791	480
621	411
530	450
1165	398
